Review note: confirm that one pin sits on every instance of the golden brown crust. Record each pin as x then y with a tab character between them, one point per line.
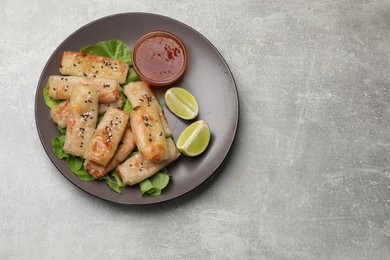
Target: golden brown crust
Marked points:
82	120
91	65
125	147
116	104
60	87
60	114
139	93
137	168
107	136
149	133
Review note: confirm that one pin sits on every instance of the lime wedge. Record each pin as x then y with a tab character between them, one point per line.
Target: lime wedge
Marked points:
194	139
181	102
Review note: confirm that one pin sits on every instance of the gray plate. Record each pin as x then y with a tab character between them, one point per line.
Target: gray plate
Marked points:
207	76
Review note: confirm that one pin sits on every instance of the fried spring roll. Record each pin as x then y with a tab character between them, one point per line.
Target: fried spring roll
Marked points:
139	93
137	168
82	119
103	107
107	136
60	114
61	86
148	133
125	147
91	65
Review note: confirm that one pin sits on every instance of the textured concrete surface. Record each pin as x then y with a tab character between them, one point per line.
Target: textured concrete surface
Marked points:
307	178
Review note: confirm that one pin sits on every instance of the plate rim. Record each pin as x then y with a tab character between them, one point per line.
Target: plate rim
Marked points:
158	199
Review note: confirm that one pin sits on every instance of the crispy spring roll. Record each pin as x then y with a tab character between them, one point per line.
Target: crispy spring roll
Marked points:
107	136
82	119
125	147
103	107
148	133
61	86
139	93
91	65
137	168
60	114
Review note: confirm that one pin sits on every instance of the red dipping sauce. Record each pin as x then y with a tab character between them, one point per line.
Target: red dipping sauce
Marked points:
159	58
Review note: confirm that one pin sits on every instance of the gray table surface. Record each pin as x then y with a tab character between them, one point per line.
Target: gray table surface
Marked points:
308	176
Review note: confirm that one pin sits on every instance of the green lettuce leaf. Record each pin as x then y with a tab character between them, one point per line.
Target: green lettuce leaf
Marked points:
128	107
57	145
112	184
147	187
115	184
155	184
50	102
131	76
62	130
118	179
83	174
74	163
113	49
100	117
